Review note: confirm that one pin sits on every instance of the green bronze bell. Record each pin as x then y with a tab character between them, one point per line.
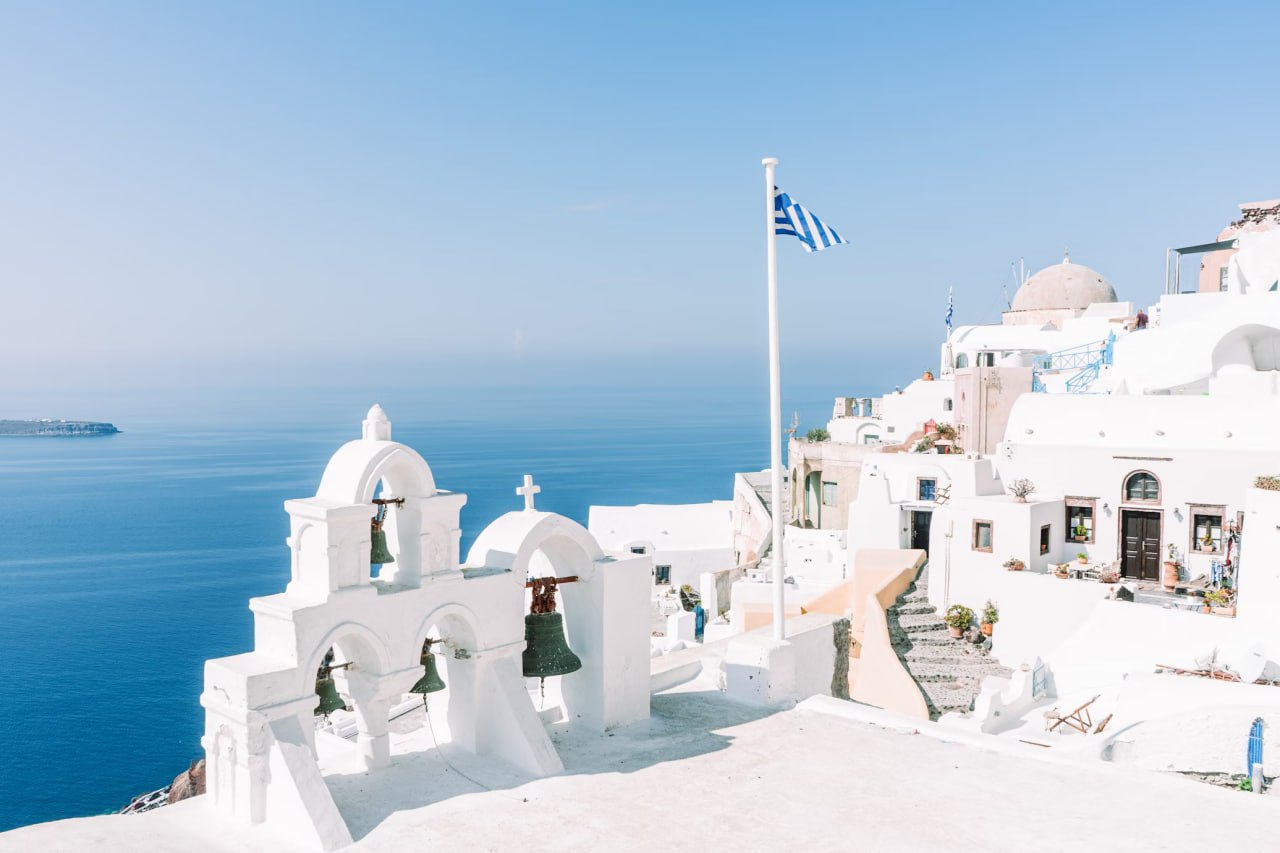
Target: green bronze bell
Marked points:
378	554
330	699
430	682
546	652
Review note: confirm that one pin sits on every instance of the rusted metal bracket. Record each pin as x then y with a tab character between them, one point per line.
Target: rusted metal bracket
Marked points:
544	593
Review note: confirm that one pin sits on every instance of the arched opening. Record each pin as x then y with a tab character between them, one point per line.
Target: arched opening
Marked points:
1142	487
444	673
555	557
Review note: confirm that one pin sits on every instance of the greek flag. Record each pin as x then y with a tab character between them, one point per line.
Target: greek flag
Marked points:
951	308
791	219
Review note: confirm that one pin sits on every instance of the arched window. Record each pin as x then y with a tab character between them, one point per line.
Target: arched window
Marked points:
1142	487
962	361
946	404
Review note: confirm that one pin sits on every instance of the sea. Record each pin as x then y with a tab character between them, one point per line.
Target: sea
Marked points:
127	561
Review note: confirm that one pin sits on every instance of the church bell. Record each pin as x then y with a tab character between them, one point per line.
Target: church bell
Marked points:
546	651
378	553
430	682
330	699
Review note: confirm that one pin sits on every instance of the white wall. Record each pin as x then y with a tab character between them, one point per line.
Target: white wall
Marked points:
690	538
817	556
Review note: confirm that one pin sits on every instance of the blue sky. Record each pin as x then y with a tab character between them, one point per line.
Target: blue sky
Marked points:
268	193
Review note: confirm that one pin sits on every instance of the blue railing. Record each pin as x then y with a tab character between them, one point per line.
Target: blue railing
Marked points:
1087	360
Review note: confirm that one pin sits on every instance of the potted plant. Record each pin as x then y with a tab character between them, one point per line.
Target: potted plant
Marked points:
1020	489
1109	576
1081	533
1169	579
1219	601
1082	558
1063	570
990	616
957	620
1013	564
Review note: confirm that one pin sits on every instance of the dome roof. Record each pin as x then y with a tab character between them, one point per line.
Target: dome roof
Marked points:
1065	285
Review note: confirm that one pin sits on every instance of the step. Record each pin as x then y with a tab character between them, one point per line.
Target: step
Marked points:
912	622
912	607
939	668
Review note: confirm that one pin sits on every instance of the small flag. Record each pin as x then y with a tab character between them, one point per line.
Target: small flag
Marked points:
951	307
791	219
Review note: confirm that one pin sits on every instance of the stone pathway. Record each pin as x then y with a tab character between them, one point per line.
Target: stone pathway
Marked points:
949	672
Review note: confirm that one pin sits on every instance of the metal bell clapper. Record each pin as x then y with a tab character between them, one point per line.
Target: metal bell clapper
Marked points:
546	651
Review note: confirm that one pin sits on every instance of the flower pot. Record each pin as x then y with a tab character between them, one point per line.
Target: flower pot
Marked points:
1169	580
1081	539
1017	567
986	628
1061	573
1082	560
1225	611
956	633
1208	609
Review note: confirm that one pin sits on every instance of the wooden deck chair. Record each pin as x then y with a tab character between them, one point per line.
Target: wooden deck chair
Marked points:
1102	724
1078	719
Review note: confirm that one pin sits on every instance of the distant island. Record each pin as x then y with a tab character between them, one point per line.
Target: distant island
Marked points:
55	428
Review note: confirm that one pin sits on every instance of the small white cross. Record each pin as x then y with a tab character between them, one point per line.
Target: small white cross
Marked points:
528	490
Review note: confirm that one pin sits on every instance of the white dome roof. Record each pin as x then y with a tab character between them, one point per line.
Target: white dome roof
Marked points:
1064	285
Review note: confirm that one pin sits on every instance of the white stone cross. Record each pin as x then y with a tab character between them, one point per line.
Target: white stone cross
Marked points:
528	490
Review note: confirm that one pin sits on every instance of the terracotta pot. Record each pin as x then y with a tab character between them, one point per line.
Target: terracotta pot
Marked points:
1017	567
1083	562
1169	580
986	628
955	633
1208	609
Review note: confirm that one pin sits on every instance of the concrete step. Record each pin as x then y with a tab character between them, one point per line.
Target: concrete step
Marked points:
943	668
904	608
913	622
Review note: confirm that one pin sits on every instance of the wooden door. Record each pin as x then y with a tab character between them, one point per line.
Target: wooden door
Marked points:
1141	534
920	522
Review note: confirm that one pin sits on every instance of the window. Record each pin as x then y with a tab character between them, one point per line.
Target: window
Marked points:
1080	519
870	438
982	536
1206	528
926	487
986	359
637	549
890	428
661	575
1044	538
946	404
1222	279
962	361
828	493
1142	487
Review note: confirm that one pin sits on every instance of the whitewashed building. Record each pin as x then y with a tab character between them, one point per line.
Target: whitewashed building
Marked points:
683	540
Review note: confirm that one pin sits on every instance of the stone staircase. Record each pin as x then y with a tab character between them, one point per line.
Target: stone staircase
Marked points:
949	672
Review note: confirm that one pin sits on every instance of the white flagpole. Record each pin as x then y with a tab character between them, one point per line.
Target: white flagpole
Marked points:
775	408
